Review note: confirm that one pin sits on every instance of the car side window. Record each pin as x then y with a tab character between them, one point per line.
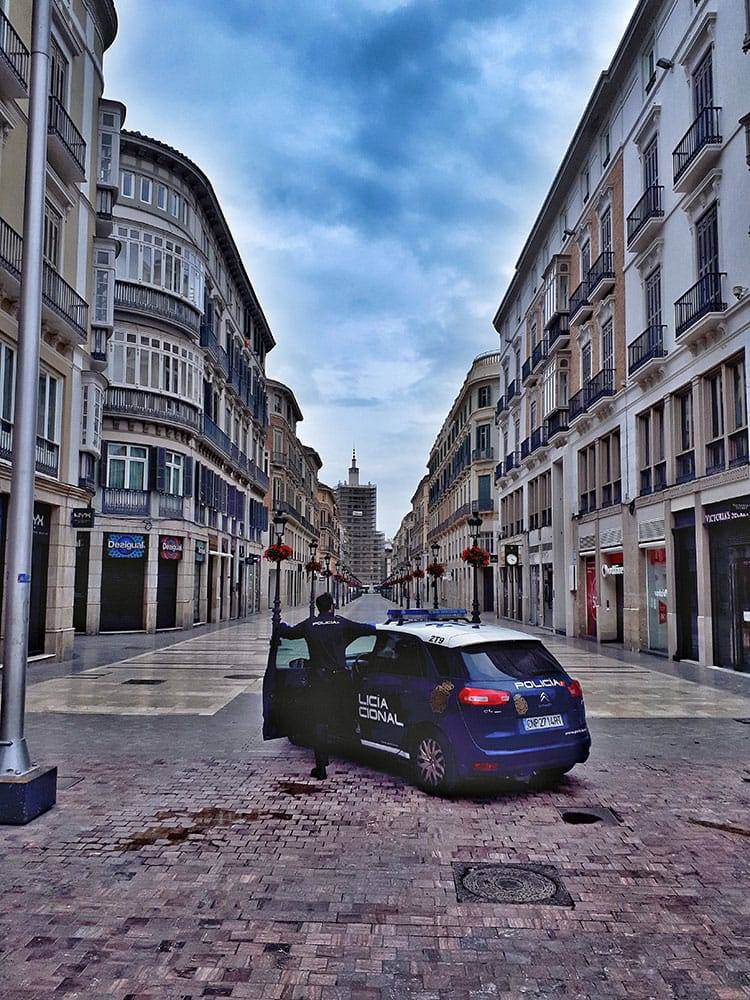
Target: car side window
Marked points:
447	664
398	654
291	649
364	644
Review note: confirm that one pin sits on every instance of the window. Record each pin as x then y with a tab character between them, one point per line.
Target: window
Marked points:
563	223
174	464
7	382
152	259
685	458
108	151
146	191
155	363
653	298
174	204
52	235
127	467
725	403
608	347
47	410
707	243
483	437
651	456
532	414
162	194
606	151
587	479
585	259
605	232
585	362
91	416
609	463
651	164
127	184
649	67
104	287
703	84
58	72
585	184
485	395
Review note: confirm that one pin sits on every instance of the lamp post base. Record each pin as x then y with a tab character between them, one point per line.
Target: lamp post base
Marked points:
23	797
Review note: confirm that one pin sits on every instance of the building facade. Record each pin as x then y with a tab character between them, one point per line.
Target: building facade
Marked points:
294	487
177	468
622	418
81	185
363	543
460	482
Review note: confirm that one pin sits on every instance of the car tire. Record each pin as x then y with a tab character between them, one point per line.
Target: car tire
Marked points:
433	766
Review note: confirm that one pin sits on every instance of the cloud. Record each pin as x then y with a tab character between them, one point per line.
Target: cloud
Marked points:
380	163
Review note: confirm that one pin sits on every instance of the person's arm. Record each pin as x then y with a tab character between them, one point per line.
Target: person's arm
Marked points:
297	631
357	629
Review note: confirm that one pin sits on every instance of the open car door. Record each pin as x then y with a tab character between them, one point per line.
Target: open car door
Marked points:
285	690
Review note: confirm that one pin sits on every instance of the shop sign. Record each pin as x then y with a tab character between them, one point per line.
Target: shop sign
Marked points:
41	523
170	547
615	570
200	552
83	517
126	546
735	510
493	558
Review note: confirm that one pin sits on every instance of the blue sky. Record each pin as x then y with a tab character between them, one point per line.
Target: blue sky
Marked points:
380	163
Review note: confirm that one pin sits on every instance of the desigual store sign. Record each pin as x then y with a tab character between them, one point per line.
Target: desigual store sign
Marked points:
170	547
126	546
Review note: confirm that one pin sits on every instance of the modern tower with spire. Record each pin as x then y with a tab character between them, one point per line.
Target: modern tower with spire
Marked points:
363	543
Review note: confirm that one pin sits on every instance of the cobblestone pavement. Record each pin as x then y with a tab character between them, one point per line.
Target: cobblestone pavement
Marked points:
188	859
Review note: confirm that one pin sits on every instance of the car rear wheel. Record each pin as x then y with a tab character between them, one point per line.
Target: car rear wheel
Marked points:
434	771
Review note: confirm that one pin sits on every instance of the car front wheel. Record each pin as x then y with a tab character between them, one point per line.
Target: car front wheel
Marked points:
434	771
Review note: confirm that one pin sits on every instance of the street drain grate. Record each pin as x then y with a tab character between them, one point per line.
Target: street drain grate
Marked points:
587	815
143	680
505	883
241	677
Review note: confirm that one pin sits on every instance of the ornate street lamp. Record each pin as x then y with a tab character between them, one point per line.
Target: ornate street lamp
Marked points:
279	521
435	556
407	577
475	523
313	552
418	574
327	572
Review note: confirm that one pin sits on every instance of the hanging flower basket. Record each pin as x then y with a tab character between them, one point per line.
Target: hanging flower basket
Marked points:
277	553
436	569
313	566
418	574
475	556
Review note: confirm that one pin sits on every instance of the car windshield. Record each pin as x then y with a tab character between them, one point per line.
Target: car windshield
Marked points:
518	660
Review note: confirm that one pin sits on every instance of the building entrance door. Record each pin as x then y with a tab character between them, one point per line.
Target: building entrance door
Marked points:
740	601
166	594
534	596
590	567
489	589
197	592
39	570
547	595
210	582
81	584
686	599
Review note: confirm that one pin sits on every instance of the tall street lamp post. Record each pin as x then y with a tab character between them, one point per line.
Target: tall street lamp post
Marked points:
475	523
407	577
327	560
417	601
435	556
313	551
279	520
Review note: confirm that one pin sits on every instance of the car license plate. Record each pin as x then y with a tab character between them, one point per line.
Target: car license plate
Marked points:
543	722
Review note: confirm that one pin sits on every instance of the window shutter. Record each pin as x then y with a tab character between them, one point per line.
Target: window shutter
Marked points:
187	476
103	464
159	463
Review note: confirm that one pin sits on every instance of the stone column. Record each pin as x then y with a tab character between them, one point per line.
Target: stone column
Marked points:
94	602
59	633
703	586
152	582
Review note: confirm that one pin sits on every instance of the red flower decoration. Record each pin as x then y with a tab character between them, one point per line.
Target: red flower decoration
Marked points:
418	574
436	569
277	553
475	556
313	567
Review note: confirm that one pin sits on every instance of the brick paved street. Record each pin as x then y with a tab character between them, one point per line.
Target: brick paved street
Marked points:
188	859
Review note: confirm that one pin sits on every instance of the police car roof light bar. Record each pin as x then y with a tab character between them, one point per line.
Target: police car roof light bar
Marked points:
401	615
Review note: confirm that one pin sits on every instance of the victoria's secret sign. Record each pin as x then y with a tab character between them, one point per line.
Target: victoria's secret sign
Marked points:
734	510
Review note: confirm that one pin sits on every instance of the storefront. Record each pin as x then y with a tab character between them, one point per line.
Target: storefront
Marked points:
124	561
200	563
170	556
656	599
592	601
611	611
685	570
728	526
39	574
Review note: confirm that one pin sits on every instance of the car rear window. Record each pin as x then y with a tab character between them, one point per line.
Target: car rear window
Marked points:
520	661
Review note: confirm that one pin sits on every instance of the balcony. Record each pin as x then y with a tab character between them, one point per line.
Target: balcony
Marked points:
538	438
145	405
171	506
291	511
646	352
513	394
511	462
525	448
221	442
14	61
483	455
214	350
558	332
557	425
47	454
498	472
144	301
580	307
66	147
700	308
601	276
532	363
645	221
697	150
126	503
501	407
600	388
485	505
105	203
685	467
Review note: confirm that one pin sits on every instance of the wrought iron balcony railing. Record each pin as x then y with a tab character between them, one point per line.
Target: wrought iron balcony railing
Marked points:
15	53
648	207
579	298
152	301
703	298
645	348
214	349
603	269
60	124
557	422
152	406
133	503
705	131
558	329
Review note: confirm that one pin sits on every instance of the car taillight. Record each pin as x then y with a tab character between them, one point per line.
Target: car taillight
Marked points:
575	689
482	696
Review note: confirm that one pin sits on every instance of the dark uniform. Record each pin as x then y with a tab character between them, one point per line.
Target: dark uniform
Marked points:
327	637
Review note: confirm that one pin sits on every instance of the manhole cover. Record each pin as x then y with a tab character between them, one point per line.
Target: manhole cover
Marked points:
143	680
587	815
504	883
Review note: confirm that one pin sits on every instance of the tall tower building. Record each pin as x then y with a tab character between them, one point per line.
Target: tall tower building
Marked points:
363	544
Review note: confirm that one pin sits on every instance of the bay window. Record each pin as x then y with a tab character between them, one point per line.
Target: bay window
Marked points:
151	259
156	363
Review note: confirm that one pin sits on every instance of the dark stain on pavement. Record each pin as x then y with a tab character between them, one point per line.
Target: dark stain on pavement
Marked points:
297	788
723	827
203	822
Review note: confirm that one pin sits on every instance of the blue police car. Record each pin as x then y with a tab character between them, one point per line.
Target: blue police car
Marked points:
455	700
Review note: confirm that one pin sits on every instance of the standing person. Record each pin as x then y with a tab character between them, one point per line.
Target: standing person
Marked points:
327	636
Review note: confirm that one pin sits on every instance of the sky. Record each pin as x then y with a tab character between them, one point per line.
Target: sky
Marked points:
380	163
